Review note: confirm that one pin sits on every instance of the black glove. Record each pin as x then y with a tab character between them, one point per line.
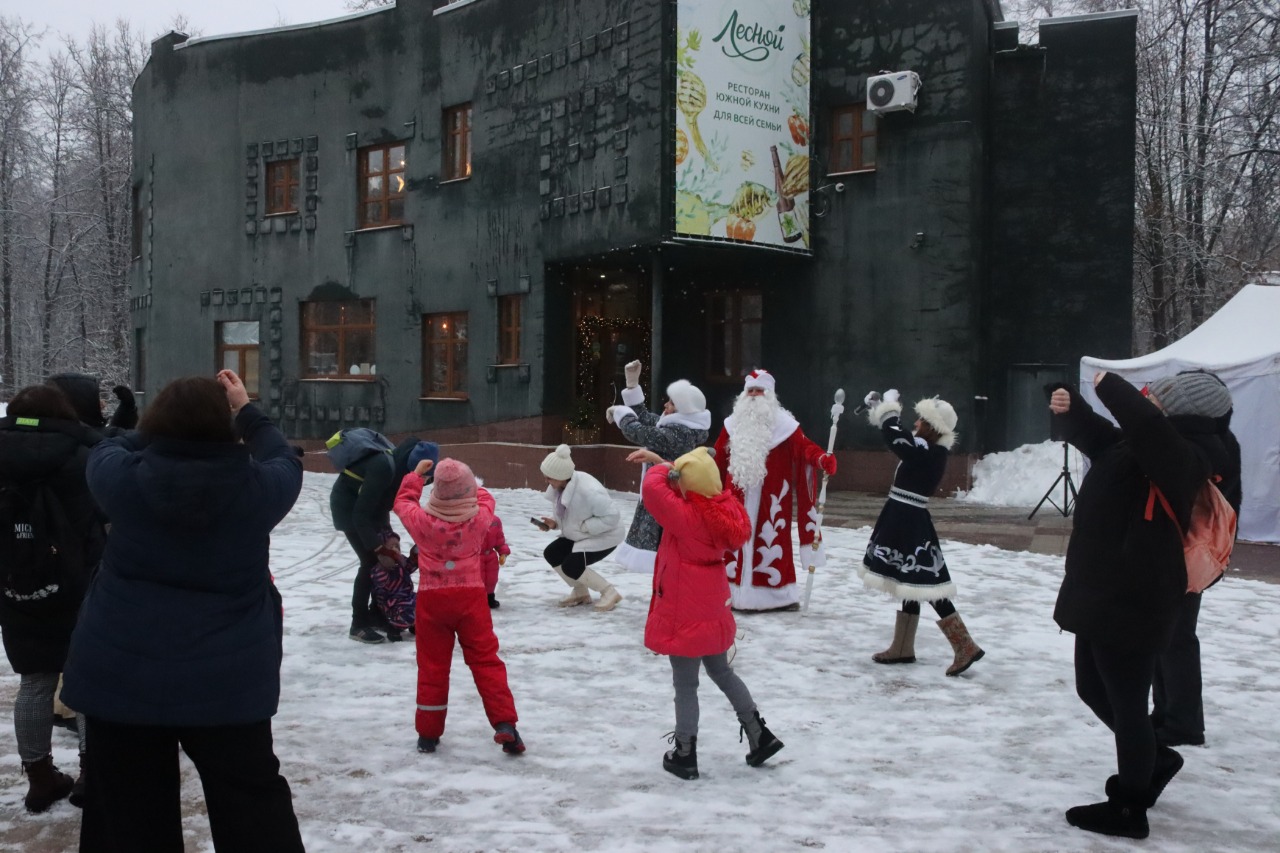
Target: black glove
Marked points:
126	414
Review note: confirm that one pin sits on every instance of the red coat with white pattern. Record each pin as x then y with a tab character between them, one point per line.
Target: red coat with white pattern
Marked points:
791	471
689	613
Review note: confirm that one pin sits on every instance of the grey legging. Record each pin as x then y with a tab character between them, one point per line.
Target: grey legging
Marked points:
684	673
33	716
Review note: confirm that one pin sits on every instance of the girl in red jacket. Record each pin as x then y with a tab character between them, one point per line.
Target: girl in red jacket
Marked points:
495	554
689	615
450	534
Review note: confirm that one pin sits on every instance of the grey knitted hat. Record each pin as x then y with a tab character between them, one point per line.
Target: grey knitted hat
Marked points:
1193	392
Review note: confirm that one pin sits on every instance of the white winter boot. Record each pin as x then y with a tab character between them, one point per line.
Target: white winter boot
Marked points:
609	597
580	593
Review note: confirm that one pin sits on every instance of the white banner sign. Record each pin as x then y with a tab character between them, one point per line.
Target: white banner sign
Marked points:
742	121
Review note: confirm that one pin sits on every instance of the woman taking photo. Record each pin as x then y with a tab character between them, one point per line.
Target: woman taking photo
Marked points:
179	640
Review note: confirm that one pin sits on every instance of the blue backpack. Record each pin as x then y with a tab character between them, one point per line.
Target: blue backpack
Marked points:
349	446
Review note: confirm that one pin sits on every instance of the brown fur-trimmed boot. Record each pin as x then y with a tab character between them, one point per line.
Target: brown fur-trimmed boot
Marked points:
46	785
967	651
903	647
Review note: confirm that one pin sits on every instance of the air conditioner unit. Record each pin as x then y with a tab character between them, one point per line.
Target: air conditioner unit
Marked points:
889	93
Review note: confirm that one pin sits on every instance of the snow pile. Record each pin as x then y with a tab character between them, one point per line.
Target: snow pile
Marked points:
1021	477
878	758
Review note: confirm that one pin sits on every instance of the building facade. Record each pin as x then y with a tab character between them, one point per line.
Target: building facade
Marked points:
463	218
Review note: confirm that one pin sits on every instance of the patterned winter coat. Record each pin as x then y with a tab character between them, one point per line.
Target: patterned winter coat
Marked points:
393	587
448	551
669	436
689	614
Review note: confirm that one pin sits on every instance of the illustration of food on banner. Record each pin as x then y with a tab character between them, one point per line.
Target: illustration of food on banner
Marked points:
742	121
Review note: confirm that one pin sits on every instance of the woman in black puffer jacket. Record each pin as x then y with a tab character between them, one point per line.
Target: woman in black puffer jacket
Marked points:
41	441
1125	580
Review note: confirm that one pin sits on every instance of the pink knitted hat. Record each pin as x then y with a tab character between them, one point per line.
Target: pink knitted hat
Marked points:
454	496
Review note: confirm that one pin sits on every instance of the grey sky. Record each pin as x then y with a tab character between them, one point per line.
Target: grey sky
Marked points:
153	17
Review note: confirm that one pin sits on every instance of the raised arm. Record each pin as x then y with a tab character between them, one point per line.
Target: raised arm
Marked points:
1079	425
1170	461
661	499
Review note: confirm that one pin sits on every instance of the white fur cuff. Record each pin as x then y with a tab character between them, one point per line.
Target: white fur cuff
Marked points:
881	412
632	396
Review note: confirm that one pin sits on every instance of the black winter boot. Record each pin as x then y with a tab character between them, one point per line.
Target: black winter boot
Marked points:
1168	763
45	784
682	761
77	790
762	742
1124	814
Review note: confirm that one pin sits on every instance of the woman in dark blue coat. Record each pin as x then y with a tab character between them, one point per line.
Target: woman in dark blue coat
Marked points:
1125	580
179	640
42	443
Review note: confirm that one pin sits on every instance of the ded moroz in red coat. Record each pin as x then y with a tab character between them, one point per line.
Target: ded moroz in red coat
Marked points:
689	613
762	572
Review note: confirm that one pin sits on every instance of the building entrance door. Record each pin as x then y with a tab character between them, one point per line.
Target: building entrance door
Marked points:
611	326
1027	415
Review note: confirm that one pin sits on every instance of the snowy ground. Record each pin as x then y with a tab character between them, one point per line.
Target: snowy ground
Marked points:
1018	477
877	758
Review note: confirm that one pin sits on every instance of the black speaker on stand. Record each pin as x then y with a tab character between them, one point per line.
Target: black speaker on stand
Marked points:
1064	476
1068	488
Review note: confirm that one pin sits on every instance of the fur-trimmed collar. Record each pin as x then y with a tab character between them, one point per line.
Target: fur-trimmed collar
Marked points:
783	426
699	420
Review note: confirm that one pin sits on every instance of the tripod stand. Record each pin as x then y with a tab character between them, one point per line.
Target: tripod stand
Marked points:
1068	488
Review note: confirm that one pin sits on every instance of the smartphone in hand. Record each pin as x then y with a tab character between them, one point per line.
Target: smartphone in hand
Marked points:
539	523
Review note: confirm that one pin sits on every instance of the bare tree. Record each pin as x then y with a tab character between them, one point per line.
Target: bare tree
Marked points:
16	96
1207	156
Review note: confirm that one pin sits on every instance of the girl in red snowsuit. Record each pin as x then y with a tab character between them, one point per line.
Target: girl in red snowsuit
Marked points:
450	534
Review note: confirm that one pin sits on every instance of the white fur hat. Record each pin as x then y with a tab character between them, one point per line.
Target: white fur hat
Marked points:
940	415
759	379
559	463
686	397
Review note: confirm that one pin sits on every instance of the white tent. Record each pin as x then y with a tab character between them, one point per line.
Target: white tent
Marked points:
1241	344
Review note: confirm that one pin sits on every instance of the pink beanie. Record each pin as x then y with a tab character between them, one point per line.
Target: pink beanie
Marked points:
453	497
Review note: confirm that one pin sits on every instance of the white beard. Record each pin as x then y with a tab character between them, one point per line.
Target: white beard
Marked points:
753	419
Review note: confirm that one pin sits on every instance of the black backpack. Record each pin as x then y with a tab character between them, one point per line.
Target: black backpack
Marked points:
39	551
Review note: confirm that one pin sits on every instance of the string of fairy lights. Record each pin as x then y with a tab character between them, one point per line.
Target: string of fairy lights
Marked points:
588	330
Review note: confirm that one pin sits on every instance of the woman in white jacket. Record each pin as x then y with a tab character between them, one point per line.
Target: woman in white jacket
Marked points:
590	528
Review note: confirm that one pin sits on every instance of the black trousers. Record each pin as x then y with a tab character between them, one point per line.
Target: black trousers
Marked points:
943	607
133	789
1179	707
1116	683
362	587
560	553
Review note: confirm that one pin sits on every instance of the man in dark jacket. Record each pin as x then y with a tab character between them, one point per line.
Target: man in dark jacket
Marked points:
1124	582
360	504
82	391
1199	405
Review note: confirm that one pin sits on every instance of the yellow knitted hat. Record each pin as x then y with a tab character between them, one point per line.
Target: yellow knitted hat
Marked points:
698	472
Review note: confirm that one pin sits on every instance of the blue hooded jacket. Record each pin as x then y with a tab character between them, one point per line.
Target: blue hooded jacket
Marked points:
182	625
